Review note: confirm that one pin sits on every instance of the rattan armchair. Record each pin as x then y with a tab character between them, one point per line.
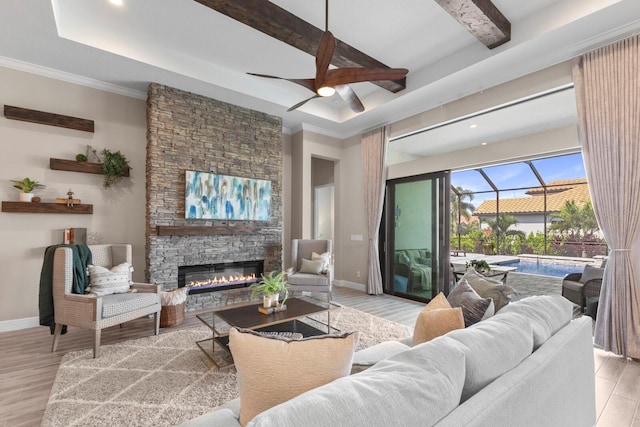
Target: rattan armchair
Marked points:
576	287
97	313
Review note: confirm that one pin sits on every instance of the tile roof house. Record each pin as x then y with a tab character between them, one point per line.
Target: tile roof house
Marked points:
529	211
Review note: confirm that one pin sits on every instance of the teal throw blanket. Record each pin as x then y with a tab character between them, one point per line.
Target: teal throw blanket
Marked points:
81	258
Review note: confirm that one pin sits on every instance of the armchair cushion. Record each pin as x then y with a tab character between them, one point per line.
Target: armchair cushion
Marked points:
116	304
591	273
104	281
306	279
311	267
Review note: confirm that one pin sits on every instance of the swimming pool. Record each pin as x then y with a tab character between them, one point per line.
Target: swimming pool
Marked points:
544	268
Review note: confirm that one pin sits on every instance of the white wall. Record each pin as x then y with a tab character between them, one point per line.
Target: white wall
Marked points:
118	214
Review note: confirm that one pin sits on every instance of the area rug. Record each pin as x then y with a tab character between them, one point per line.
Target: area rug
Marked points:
165	380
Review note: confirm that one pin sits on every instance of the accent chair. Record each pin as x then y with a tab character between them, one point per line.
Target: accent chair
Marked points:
99	312
307	275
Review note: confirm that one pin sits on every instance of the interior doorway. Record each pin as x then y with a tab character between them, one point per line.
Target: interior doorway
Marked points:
323	215
322	176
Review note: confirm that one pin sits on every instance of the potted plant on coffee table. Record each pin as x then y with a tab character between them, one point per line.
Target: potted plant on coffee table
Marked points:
26	186
481	266
270	288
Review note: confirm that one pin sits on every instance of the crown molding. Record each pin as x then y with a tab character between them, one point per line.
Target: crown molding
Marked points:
70	78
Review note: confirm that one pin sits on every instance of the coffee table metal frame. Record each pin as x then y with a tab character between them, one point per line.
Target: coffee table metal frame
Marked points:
247	316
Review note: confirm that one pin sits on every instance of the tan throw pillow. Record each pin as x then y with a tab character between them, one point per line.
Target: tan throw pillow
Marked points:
311	267
437	318
324	257
272	370
489	288
104	281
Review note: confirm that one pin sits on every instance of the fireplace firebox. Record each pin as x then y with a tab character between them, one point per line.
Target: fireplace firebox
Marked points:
221	276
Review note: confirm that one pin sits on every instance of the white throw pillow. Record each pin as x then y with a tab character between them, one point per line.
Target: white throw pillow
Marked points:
104	281
324	257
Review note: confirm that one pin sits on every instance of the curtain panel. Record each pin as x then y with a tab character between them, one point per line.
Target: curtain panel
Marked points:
374	159
607	87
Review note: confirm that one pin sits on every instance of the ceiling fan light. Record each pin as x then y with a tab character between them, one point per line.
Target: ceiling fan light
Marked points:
326	91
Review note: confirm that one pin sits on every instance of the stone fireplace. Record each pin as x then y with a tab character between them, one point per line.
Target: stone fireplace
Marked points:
191	132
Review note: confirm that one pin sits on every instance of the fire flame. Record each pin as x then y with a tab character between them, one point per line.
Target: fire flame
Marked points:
223	281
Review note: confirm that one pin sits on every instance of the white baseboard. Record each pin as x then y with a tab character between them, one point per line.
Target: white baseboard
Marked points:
352	285
16	324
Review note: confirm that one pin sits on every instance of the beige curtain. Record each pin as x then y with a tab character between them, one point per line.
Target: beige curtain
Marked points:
374	155
608	97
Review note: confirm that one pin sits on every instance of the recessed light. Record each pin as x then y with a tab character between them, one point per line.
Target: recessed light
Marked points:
473	126
116	2
483	143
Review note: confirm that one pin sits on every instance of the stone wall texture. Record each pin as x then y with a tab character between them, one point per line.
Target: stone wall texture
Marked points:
191	132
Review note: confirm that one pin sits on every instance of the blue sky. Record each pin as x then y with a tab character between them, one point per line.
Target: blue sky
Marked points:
518	175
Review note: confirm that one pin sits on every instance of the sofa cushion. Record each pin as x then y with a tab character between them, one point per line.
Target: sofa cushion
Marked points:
547	314
272	370
416	387
474	307
369	356
491	348
489	288
437	318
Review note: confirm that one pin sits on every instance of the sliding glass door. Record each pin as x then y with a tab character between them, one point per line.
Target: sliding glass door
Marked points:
416	236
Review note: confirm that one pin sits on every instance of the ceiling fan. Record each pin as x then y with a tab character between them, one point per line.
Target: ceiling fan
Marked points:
327	82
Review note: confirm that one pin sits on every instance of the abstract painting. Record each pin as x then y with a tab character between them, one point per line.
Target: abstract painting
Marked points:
211	196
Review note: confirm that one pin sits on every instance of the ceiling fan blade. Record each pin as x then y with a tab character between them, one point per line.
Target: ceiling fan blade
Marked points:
326	48
308	83
342	76
350	97
301	103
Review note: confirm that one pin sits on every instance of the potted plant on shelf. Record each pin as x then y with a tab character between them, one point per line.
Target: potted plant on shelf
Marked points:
26	186
270	288
114	167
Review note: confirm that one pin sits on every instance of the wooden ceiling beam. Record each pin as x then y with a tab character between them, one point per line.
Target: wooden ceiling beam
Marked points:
481	18
278	23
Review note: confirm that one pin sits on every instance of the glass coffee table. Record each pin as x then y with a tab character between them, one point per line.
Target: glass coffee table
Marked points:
247	316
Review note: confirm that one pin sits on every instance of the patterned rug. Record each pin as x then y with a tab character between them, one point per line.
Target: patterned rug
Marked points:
164	380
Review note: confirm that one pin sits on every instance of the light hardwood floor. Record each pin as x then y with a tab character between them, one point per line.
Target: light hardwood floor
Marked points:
28	367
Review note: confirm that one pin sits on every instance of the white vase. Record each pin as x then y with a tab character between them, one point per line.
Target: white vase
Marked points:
270	300
26	197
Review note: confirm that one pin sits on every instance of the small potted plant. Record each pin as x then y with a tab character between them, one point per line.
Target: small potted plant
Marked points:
26	186
114	167
270	288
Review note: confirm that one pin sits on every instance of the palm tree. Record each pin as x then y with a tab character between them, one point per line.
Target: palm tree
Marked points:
575	223
500	228
460	208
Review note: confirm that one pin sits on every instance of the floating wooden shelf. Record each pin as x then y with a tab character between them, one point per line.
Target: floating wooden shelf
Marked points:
204	230
30	207
51	119
75	166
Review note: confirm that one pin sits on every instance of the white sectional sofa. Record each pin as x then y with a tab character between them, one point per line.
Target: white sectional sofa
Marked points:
529	365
